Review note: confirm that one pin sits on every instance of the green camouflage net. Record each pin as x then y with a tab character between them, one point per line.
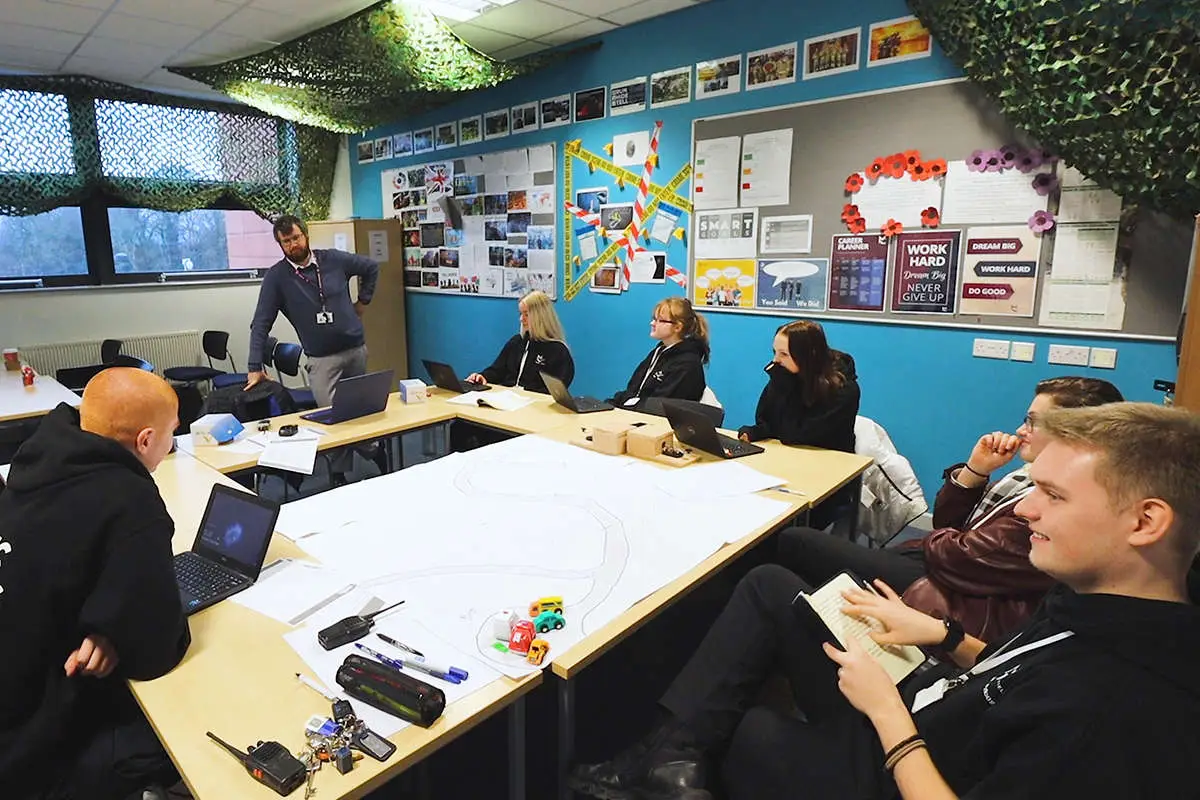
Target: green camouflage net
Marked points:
68	138
1111	86
388	61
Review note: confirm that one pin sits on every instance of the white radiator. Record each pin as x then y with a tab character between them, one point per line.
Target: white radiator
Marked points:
163	350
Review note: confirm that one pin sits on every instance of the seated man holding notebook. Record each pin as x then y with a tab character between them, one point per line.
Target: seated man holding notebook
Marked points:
1086	700
87	594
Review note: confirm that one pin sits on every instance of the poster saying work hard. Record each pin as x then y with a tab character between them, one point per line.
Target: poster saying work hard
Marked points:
925	277
1000	271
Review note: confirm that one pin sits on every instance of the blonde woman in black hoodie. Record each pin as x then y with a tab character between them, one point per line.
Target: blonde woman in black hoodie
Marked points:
675	367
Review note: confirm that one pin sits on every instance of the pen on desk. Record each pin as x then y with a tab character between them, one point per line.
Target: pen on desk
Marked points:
418	661
788	491
316	687
396	663
399	645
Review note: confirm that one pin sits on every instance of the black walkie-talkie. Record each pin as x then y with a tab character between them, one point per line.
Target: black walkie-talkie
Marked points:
270	764
350	629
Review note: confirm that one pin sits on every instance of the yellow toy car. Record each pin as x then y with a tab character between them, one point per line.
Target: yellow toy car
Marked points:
538	649
552	603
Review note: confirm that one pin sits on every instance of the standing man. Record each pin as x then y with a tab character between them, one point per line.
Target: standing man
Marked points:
312	289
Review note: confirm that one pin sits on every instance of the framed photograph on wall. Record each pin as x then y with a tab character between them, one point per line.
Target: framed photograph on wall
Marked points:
832	53
896	40
470	130
671	88
445	136
383	148
556	111
590	104
402	144
718	77
495	124
365	151
524	118
423	141
627	97
773	66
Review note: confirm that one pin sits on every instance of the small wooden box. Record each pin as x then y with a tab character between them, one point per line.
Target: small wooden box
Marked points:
650	444
608	439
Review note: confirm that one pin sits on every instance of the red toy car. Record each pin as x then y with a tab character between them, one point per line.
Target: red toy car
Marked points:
521	637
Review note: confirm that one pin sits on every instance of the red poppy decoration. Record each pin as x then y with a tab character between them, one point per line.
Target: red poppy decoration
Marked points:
849	212
931	217
912	157
856	225
896	165
876	168
936	167
854	183
891	228
919	171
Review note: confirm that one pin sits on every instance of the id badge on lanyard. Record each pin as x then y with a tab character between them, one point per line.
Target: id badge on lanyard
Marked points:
324	316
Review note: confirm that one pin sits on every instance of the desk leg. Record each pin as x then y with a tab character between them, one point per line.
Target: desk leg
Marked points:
516	750
566	735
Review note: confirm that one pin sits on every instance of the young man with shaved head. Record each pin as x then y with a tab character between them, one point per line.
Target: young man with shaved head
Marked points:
87	594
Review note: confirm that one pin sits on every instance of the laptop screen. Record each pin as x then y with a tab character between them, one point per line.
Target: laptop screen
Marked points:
236	529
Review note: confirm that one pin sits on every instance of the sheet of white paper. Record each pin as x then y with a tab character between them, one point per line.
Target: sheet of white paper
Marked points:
979	198
718	163
766	168
245	443
541	260
664	224
377	245
472	230
516	162
1082	199
287	590
541	158
473	165
519	180
587	245
495	182
722	479
631	149
296	453
1085	253
499	399
900	199
791	234
493	162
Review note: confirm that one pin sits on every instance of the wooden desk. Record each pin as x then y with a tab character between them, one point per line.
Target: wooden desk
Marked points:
18	401
237	680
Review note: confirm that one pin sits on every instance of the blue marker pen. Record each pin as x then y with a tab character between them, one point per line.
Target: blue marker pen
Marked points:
418	660
396	663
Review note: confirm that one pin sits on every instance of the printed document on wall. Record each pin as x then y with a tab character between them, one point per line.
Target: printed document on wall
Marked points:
988	198
900	199
1083	200
1085	285
718	162
766	168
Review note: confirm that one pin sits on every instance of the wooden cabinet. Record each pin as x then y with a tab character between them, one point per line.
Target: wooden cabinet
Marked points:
380	240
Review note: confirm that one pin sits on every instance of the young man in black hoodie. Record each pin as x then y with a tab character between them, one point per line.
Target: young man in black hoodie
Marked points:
1093	698
87	594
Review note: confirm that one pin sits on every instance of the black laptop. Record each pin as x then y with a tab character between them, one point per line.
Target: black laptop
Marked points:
229	549
356	397
696	430
580	405
444	377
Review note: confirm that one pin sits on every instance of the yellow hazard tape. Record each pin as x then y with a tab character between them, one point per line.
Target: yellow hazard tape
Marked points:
595	162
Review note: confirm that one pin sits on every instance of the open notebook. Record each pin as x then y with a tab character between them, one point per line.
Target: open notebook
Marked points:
827	602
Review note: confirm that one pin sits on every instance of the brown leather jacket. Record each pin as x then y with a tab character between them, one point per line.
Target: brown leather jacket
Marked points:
981	576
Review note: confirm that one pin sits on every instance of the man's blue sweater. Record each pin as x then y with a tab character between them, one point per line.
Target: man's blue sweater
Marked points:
298	299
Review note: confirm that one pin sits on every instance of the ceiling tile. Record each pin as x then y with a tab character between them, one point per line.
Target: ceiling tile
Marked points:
517	51
38	39
592	27
595	8
103	5
484	40
121	71
25	58
56	16
221	45
194	13
147	31
528	19
177	84
255	23
645	10
104	48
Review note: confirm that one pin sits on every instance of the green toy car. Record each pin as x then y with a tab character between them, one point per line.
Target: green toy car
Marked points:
548	620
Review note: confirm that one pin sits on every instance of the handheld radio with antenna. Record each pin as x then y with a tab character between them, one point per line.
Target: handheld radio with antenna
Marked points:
350	629
269	763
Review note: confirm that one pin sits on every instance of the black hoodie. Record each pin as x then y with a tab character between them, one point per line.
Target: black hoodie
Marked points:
86	550
544	355
678	373
1108	713
783	414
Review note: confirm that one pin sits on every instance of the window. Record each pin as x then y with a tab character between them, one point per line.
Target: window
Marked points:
144	240
48	244
35	136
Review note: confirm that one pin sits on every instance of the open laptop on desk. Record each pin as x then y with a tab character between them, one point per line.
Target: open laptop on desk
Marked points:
229	549
580	405
696	430
444	377
356	397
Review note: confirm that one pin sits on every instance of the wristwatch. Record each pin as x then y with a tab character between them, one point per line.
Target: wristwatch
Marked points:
954	635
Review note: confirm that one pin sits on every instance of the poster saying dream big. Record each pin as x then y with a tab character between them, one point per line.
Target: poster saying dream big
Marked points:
1000	268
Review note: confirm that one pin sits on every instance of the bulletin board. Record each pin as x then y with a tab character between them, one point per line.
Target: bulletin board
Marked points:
831	140
507	245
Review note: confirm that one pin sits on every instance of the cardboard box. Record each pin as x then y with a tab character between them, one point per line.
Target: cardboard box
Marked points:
214	429
413	391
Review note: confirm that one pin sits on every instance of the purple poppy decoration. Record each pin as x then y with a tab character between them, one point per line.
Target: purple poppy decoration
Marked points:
1008	155
993	161
977	161
1041	221
1029	160
1044	183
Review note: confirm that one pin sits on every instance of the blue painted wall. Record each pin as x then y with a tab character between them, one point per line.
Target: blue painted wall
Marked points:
921	383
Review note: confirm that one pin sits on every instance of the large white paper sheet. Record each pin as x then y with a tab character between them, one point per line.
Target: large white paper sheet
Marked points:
766	168
718	162
986	198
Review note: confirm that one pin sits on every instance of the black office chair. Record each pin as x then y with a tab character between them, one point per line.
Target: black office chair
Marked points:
109	350
76	378
122	360
287	361
215	345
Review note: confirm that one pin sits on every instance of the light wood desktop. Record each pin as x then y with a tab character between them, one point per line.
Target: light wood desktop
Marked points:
18	401
237	680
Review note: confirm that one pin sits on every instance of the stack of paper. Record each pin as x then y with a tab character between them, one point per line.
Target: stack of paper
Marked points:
501	400
296	453
722	479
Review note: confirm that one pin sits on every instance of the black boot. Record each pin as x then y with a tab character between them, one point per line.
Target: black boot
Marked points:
664	765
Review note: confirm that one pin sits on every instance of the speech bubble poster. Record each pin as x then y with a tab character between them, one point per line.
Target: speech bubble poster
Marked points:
793	283
925	278
1000	266
725	282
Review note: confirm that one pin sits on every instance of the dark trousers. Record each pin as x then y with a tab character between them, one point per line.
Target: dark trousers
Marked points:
816	557
757	635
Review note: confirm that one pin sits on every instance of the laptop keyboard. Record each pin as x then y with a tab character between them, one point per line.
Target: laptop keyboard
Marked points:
204	579
736	447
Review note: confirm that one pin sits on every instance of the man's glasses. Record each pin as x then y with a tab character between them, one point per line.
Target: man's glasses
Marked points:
1029	421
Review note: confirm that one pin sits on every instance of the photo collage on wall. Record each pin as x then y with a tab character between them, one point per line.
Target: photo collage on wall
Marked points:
506	245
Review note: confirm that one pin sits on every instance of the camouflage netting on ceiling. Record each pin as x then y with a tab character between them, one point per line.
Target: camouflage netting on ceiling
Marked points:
1111	86
386	62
